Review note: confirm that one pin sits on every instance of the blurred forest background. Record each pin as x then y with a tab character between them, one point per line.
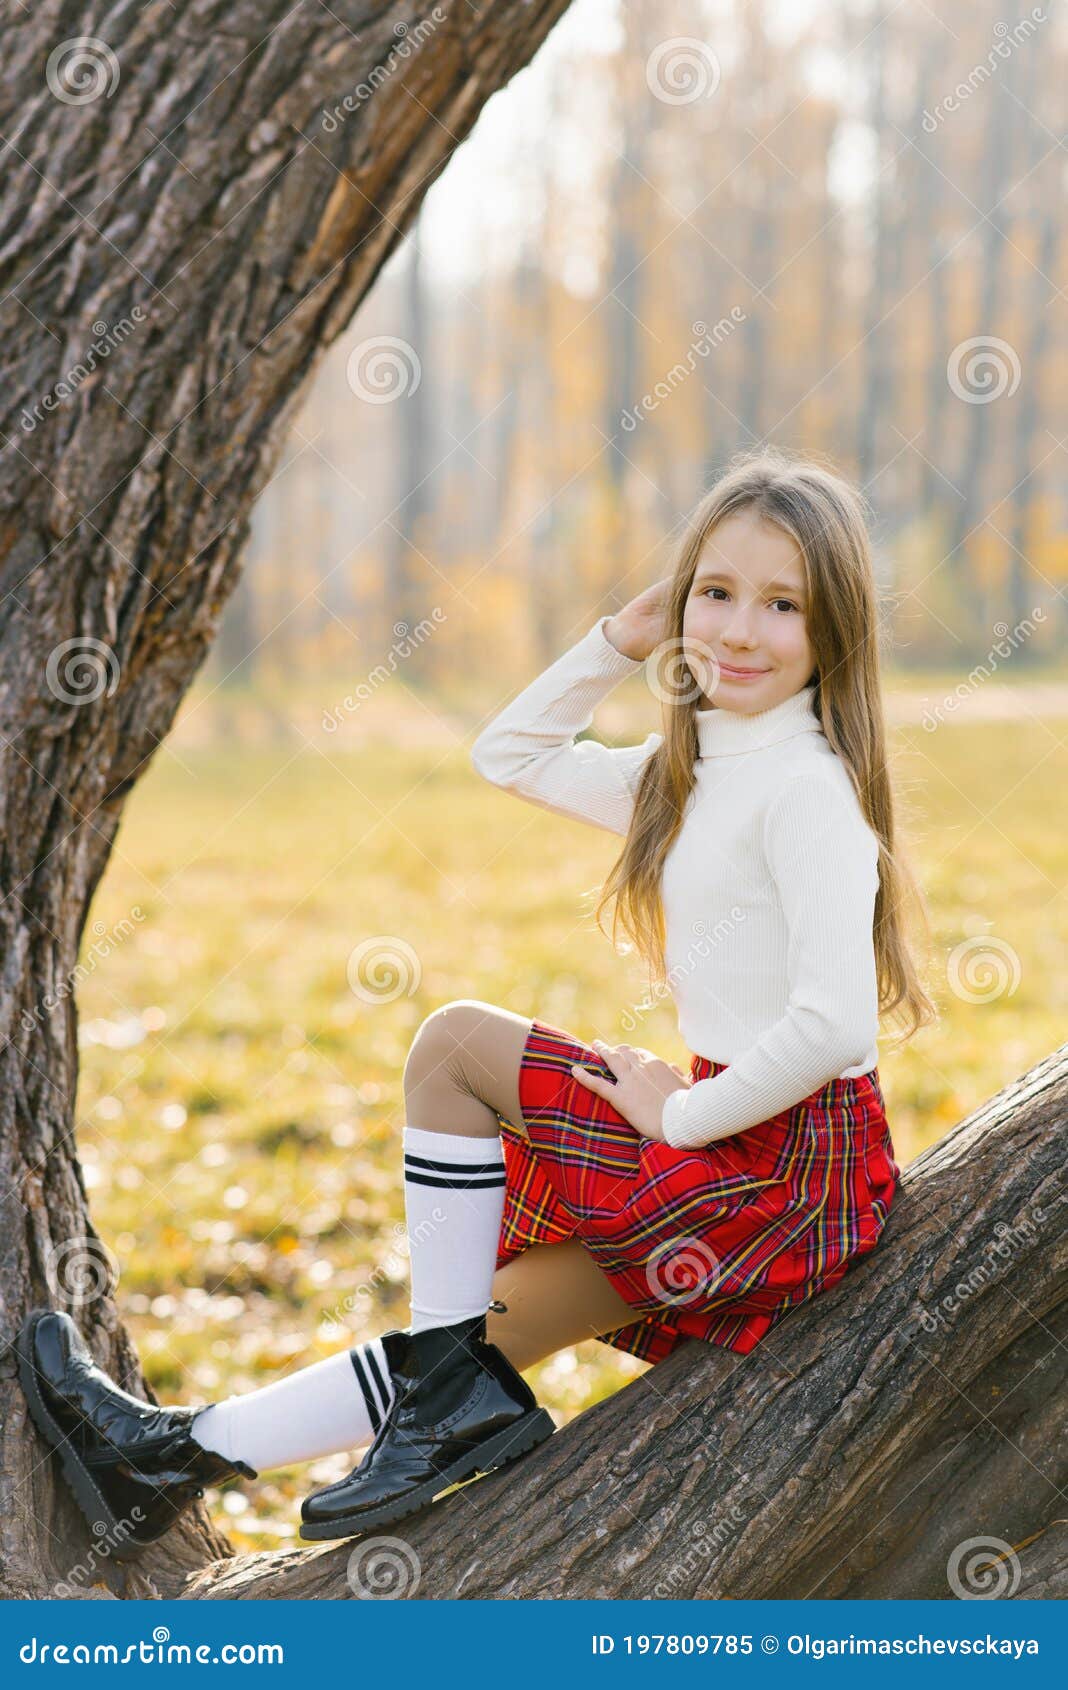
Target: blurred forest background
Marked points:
686	228
862	204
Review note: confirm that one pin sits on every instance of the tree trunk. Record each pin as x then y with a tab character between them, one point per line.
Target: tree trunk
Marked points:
881	296
411	368
977	483
898	1436
229	179
1041	236
1044	1565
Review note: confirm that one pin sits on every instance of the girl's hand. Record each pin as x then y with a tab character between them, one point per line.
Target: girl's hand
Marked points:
642	1083
638	628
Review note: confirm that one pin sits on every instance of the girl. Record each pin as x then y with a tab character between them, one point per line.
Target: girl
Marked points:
557	1190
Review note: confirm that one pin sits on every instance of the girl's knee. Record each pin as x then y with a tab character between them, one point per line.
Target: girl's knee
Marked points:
441	1038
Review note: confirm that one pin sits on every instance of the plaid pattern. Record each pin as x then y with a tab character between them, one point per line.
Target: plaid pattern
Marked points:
715	1243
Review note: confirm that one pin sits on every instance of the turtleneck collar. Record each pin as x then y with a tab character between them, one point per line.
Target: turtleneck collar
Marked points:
726	733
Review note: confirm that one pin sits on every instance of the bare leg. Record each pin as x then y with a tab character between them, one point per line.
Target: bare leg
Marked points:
461	1077
462	1071
556	1296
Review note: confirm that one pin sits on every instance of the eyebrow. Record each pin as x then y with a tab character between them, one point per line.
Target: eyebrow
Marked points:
725	575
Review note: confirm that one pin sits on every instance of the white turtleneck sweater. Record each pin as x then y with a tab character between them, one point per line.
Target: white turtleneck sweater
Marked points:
768	888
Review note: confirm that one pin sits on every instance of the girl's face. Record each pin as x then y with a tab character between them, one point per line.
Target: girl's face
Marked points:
747	606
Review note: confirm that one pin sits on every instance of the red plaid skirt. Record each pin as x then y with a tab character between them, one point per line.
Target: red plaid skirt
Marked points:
715	1243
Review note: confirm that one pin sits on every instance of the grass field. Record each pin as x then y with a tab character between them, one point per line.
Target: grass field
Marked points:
240	1105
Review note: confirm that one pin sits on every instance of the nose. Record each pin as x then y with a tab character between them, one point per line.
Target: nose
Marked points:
738	634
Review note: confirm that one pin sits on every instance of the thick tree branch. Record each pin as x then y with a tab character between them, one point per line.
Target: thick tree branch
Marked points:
914	1408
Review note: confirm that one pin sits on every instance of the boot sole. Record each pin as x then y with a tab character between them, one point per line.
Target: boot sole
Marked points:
86	1494
507	1446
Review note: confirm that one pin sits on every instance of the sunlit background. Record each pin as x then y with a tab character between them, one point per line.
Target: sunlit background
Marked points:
686	228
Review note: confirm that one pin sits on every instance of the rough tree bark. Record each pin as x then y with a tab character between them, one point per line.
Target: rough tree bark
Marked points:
190	213
873	1445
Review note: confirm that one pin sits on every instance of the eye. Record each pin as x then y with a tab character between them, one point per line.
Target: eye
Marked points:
722	590
789	603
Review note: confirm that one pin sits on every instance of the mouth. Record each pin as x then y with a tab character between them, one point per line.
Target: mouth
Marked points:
734	673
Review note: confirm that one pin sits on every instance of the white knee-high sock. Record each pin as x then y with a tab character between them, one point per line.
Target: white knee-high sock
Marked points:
333	1405
454	1191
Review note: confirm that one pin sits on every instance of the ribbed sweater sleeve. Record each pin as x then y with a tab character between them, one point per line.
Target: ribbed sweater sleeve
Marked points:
530	749
823	859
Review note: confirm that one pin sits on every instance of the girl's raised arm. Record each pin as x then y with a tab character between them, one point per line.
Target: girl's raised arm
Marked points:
530	749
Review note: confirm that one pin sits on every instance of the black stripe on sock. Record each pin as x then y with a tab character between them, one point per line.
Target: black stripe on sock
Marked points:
442	1184
368	1394
385	1388
411	1161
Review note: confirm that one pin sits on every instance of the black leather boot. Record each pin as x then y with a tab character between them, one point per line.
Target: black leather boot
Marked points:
132	1467
459	1408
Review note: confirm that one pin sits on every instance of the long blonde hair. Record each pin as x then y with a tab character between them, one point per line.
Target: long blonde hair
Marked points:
828	520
